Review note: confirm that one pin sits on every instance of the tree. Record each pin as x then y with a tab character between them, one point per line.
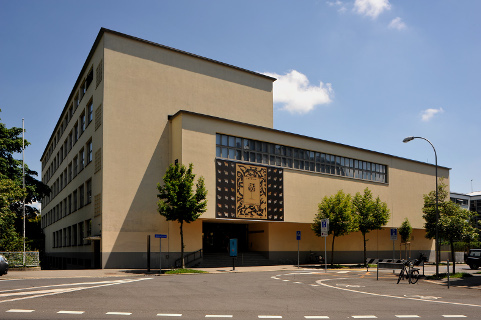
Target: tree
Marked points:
338	209
11	176
405	231
454	224
10	192
370	214
177	199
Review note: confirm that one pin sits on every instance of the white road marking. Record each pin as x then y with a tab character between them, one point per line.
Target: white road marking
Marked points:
20	310
32	293
453	316
343	271
169	314
316	317
119	313
298	282
407	316
218	316
321	282
365	317
269	317
286	280
71	312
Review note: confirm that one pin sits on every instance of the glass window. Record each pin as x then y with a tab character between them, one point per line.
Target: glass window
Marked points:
238	155
231	142
217	139
232	154
238	143
218	152
259	158
224	140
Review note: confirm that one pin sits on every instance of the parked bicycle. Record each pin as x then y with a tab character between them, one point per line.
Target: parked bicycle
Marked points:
409	272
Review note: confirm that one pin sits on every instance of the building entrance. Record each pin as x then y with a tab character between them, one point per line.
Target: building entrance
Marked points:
216	236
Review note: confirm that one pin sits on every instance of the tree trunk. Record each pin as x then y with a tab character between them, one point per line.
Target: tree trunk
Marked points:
364	241
332	250
452	256
182	244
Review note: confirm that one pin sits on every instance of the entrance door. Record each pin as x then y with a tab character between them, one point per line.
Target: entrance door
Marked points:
97	255
217	235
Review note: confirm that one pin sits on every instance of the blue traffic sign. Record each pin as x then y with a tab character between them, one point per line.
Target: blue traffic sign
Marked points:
233	247
298	235
162	236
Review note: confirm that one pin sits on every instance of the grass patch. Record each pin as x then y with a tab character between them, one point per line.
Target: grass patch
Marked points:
180	271
451	275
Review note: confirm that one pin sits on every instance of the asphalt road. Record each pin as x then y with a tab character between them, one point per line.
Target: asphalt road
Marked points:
287	294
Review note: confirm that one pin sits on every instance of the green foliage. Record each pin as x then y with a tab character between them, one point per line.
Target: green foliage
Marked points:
405	231
370	214
177	199
12	194
180	271
455	223
339	210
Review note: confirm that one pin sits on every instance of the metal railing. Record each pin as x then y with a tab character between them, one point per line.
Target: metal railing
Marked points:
189	258
15	259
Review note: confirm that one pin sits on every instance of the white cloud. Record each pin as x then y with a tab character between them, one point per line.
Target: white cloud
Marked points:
341	7
428	114
295	93
371	8
397	23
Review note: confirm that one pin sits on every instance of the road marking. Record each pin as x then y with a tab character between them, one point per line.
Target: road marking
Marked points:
20	310
298	282
343	271
423	297
407	316
314	285
71	312
169	314
32	293
119	313
218	316
316	317
321	282
269	317
453	316
365	317
286	280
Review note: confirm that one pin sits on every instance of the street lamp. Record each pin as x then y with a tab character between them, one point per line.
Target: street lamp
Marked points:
436	248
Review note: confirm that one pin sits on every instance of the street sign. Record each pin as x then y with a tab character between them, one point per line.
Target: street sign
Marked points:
393	234
233	247
324	227
161	236
298	235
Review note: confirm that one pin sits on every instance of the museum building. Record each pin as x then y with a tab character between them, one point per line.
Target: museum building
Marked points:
138	106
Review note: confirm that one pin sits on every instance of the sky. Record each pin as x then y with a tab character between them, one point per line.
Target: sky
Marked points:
365	73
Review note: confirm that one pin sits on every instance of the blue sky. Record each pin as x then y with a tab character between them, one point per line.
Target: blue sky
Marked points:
365	73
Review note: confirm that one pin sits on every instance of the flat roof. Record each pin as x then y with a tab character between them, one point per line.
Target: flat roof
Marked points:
92	50
295	134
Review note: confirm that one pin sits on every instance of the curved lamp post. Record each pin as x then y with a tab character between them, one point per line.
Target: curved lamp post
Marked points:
437	211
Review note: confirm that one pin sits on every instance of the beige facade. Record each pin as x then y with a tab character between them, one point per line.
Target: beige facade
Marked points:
151	105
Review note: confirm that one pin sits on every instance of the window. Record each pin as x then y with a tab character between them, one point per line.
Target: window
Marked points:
236	148
90	111
75	134
89	191
89	151
81	158
75	162
81	233
70	172
82	123
74	201
81	195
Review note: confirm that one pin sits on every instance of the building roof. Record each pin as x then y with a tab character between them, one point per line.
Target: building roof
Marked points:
296	135
92	50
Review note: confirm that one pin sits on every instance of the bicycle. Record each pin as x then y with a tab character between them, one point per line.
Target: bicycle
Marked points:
408	272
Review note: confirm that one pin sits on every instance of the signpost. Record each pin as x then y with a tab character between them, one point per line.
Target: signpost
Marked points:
298	238
324	233
233	251
393	238
160	237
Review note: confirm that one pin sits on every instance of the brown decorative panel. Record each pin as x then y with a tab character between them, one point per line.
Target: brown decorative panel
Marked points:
245	191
